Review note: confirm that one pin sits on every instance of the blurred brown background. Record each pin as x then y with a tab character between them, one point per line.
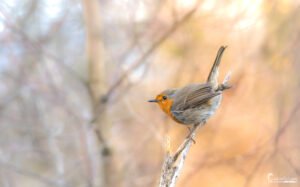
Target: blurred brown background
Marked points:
64	63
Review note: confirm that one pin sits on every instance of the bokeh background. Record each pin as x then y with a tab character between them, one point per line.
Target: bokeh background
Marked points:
75	77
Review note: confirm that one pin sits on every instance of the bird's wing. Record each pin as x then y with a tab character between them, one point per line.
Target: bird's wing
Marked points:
193	96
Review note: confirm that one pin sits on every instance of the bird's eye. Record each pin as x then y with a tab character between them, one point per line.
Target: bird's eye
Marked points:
164	97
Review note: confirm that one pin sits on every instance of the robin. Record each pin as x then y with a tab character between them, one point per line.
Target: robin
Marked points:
194	103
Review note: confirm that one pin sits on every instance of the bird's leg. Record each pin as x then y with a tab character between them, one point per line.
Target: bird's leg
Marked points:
194	127
191	130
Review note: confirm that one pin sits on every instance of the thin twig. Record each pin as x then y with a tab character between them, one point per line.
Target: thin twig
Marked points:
152	48
34	175
142	60
173	165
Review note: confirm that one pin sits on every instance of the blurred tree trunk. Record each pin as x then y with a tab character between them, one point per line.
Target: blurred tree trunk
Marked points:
98	88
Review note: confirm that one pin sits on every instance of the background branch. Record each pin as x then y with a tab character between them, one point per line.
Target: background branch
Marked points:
151	49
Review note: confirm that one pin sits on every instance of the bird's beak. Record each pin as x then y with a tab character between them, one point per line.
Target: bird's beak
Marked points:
153	101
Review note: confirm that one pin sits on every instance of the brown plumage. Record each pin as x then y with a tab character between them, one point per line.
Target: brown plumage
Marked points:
194	103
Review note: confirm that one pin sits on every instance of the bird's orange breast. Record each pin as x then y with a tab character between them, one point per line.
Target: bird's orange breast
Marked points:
166	107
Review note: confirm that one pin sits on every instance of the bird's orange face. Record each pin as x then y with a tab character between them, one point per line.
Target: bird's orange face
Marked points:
164	101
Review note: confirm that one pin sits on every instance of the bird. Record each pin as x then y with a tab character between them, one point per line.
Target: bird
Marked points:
195	103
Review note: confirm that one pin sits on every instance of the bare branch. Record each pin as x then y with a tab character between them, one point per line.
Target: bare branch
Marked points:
154	46
173	165
33	175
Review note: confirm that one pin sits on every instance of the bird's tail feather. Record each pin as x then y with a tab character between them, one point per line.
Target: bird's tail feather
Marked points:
213	75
